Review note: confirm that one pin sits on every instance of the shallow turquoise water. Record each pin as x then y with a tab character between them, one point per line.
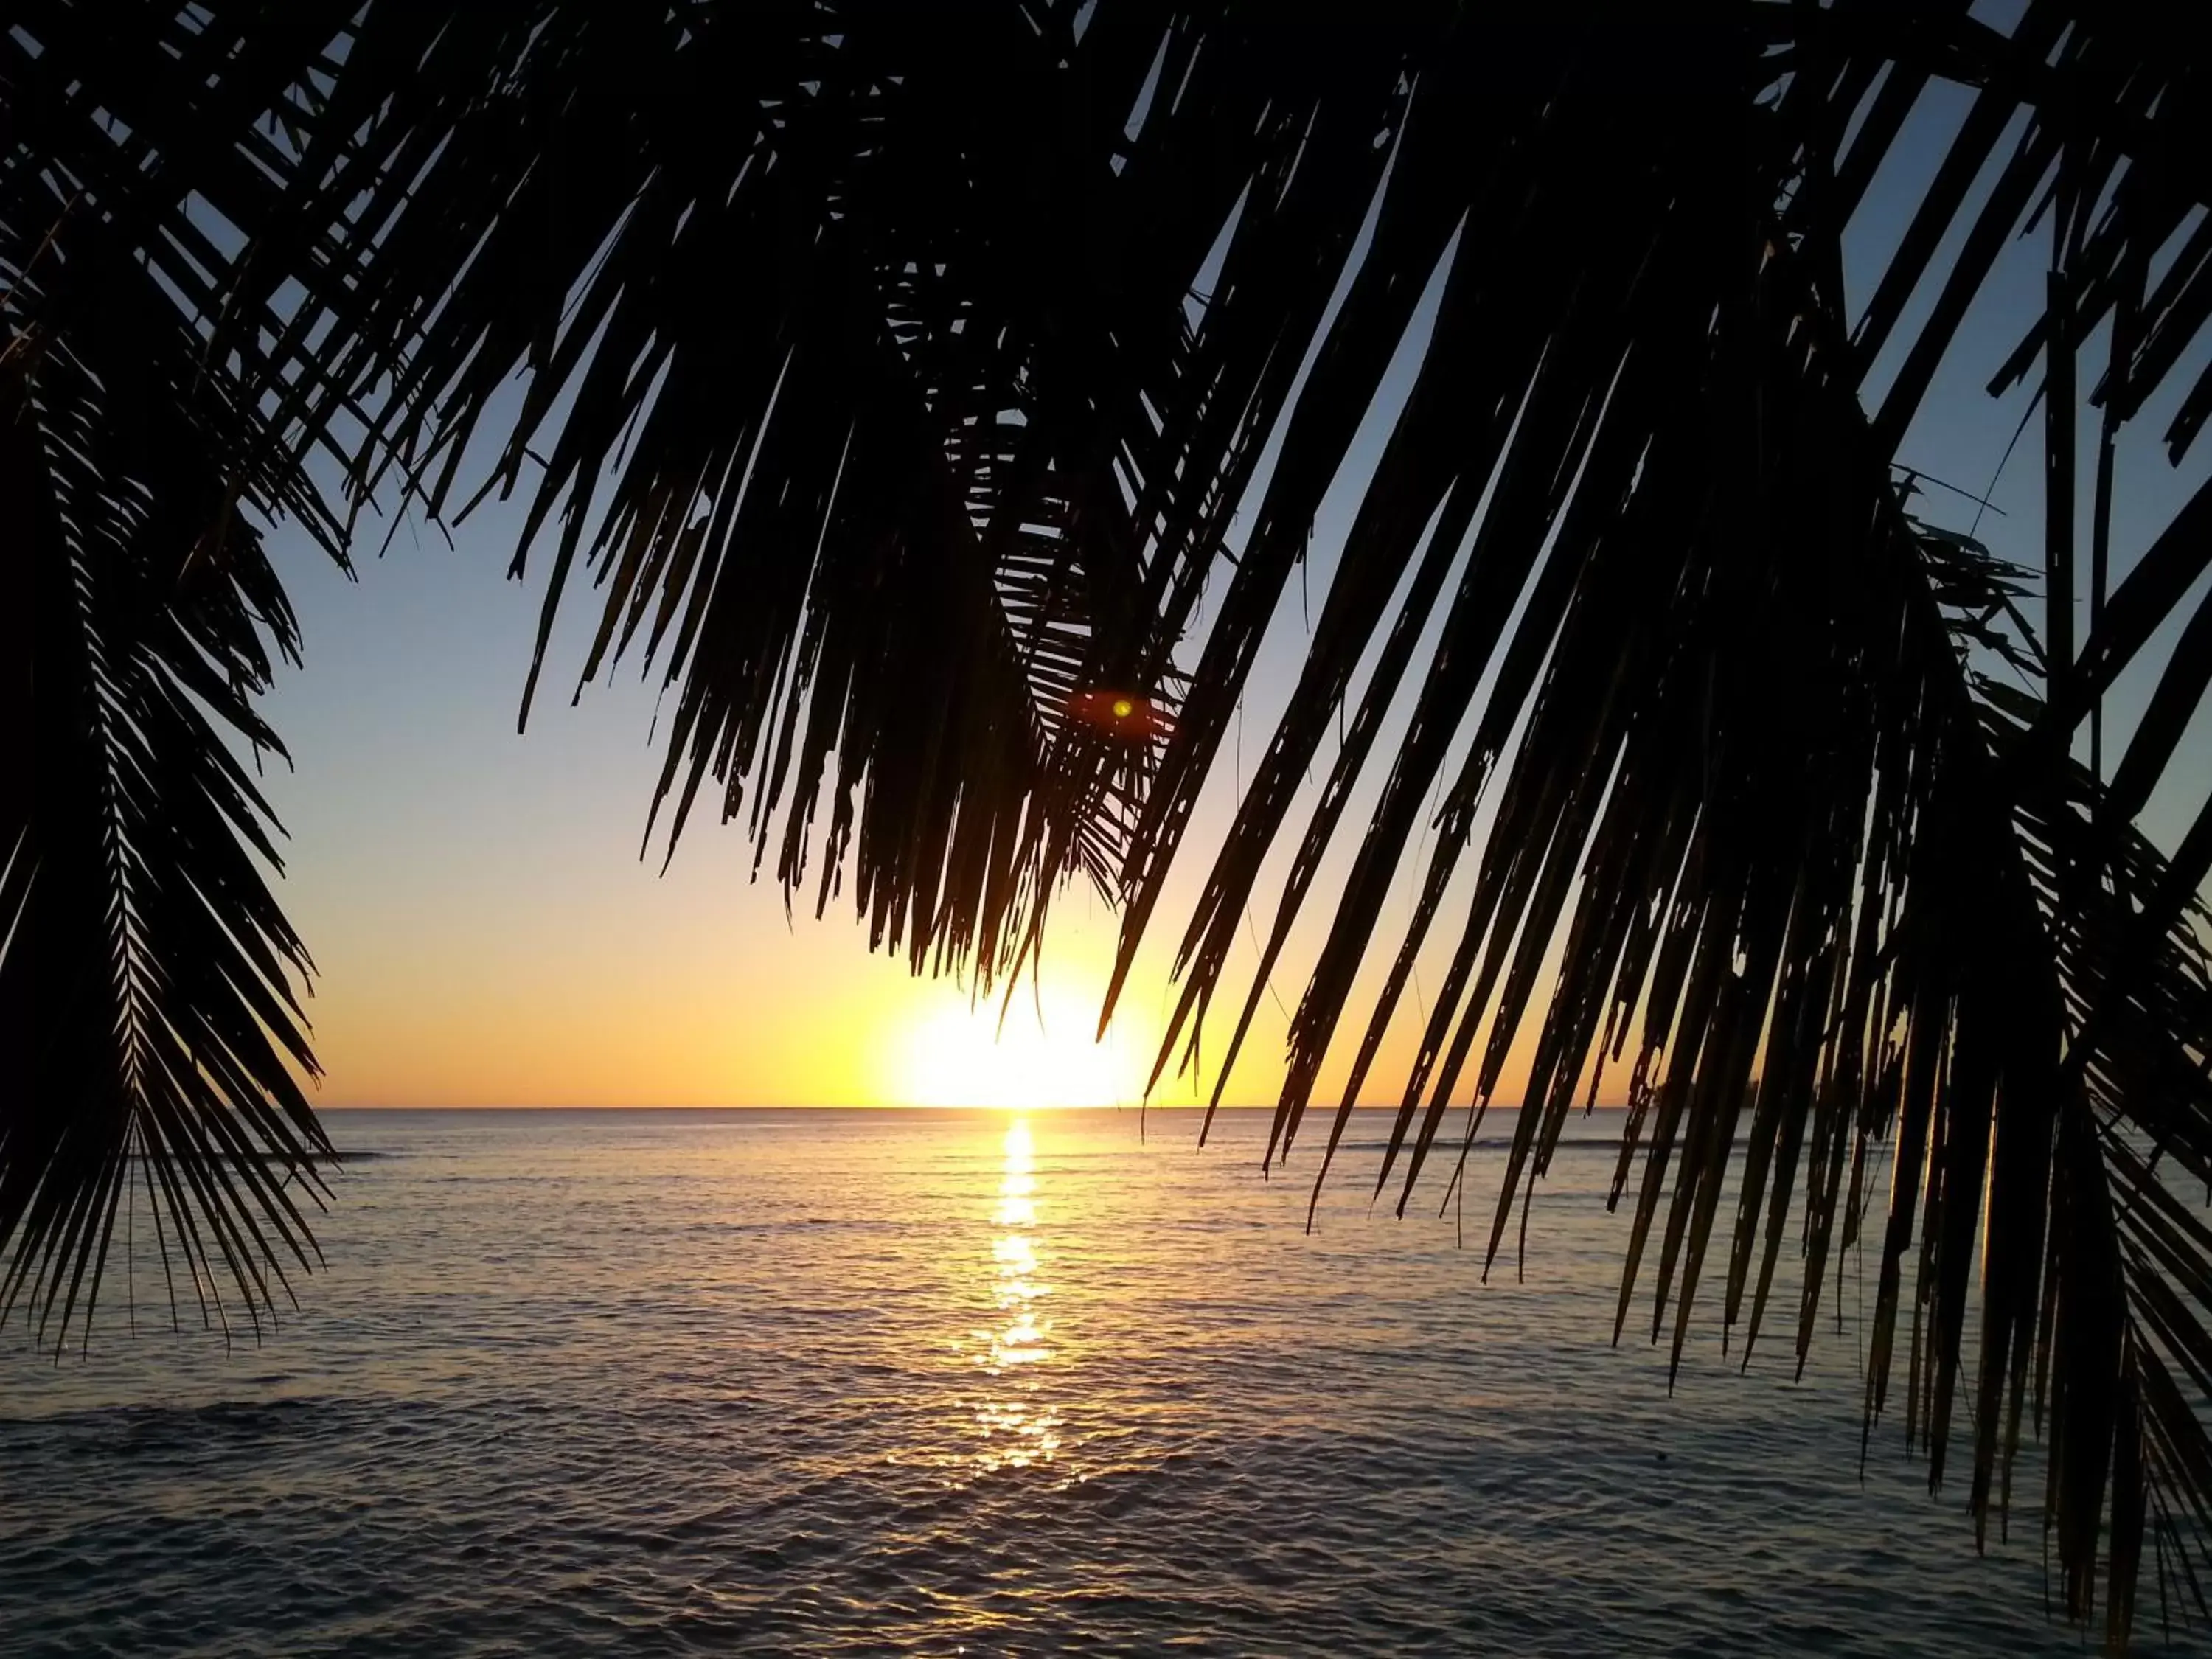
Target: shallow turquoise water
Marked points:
832	1382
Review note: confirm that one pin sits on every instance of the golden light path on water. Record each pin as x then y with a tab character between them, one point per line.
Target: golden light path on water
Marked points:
1018	1429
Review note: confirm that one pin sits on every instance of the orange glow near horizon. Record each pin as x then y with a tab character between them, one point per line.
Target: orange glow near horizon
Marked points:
652	996
1042	1056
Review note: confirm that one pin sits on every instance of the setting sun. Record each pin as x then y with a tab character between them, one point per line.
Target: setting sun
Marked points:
1043	1056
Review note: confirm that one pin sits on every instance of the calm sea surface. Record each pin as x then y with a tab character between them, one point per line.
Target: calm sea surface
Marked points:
633	1383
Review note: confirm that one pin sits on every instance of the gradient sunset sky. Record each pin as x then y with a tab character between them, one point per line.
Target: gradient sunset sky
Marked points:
487	933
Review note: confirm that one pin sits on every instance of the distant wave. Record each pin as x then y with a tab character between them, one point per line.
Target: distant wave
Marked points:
342	1155
1483	1144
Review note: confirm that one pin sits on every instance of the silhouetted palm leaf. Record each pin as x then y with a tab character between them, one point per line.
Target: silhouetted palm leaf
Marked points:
147	991
1758	802
905	413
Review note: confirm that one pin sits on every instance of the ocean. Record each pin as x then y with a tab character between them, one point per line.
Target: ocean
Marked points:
945	1382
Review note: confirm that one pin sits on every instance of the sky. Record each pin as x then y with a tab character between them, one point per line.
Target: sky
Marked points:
486	933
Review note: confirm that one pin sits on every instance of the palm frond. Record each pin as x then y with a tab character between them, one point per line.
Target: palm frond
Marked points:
147	977
894	413
1782	835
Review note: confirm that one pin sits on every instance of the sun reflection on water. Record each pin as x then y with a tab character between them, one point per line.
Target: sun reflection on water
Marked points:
1018	1428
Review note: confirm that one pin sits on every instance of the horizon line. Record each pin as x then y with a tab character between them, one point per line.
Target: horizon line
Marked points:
480	1106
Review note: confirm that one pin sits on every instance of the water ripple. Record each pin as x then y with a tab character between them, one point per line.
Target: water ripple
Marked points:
856	1384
